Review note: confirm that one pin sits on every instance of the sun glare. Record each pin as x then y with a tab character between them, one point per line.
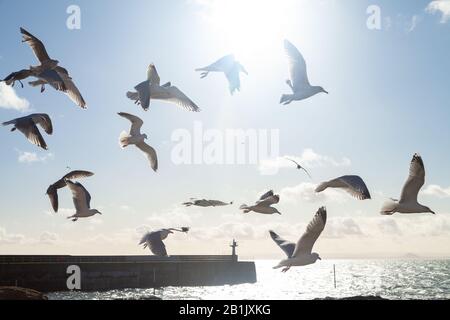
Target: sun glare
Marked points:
250	28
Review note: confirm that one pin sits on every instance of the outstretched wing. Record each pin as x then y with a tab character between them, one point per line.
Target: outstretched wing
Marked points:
143	94
150	153
312	233
415	181
152	75
176	96
81	197
44	121
267	195
70	89
136	123
287	246
36	45
30	130
354	185
155	244
297	67
17	76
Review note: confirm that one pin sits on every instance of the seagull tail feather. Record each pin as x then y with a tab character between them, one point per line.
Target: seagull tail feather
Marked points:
389	208
123	139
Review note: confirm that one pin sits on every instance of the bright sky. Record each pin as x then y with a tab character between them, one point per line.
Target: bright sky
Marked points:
388	99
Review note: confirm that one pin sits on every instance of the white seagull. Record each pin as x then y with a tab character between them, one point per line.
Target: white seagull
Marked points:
264	204
154	240
81	200
52	190
408	199
152	89
230	67
354	185
48	72
206	203
135	137
300	254
299	83
28	126
300	167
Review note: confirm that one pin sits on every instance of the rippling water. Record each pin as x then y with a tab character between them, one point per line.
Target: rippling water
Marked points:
392	279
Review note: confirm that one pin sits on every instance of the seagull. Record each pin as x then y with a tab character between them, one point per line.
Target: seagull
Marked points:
52	190
264	204
299	167
408	199
154	240
206	203
230	67
300	254
299	83
135	137
81	200
354	185
48	72
28	126
151	89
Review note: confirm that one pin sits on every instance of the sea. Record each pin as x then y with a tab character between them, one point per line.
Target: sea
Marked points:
390	279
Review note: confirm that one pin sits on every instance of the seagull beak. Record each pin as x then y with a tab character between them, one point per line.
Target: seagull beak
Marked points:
326	91
319	258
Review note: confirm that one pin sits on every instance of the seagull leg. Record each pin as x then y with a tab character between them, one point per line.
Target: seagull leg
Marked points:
285	269
42	88
203	75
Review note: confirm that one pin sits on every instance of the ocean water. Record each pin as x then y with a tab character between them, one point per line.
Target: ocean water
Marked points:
392	279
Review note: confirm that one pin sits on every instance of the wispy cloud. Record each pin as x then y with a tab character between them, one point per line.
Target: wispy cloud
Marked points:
308	159
9	238
305	192
437	191
415	19
10	100
440	6
31	157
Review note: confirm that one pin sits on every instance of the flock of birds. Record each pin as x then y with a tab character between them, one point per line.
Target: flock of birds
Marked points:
48	72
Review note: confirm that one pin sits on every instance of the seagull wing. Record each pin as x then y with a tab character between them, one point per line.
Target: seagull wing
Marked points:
143	94
136	123
155	244
50	77
81	197
77	174
150	153
71	90
52	193
234	80
44	121
297	67
415	181
286	246
174	95
354	185
30	130
221	65
17	76
152	75
267	202
267	195
36	45
312	233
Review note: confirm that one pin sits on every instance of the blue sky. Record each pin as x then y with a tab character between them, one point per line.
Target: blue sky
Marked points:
388	99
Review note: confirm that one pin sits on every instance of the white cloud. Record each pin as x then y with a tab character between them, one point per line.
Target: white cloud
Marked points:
437	191
305	191
31	157
415	19
442	6
9	238
48	238
308	159
10	100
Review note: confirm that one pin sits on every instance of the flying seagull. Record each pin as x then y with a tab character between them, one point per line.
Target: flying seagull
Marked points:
52	190
48	72
154	240
299	167
354	185
206	203
300	254
264	204
408	199
152	89
299	83
28	126
230	67
81	200
135	137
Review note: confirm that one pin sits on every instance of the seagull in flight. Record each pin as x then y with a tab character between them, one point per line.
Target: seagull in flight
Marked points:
299	83
354	185
206	203
264	204
135	137
408	200
28	126
230	67
47	72
52	190
152	89
81	200
300	254
154	240
299	167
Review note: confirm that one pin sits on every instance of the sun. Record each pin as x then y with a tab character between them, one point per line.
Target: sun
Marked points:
249	28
